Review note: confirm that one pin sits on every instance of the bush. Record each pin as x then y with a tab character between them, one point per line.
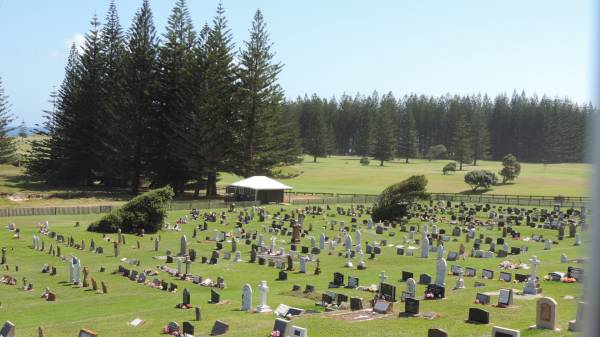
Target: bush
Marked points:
146	211
365	160
511	168
394	201
480	178
437	152
107	224
450	167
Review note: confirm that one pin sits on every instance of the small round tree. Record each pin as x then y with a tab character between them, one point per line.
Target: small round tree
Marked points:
510	168
450	167
394	201
480	178
437	152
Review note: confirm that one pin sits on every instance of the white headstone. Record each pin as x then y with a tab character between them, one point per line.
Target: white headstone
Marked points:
441	271
263	288
246	297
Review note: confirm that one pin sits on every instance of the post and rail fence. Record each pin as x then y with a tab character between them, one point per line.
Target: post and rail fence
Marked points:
315	198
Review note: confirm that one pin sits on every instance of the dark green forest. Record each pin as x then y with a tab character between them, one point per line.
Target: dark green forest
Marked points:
470	127
176	109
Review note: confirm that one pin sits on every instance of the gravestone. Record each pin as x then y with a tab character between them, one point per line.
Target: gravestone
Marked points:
188	328
441	271
282	326
219	328
482	299
505	297
424	279
546	316
504	332
479	316
246	297
576	325
8	330
297	331
186	297
215	297
411	306
435	332
356	303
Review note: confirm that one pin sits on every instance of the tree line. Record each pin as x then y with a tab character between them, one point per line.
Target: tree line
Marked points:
173	110
466	128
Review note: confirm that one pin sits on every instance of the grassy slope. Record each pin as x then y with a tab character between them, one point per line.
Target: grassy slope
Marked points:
108	314
346	175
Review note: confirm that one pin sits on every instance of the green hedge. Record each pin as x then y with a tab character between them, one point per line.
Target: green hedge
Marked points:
146	211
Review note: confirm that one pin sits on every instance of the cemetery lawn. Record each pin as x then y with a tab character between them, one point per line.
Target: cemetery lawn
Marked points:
108	314
340	174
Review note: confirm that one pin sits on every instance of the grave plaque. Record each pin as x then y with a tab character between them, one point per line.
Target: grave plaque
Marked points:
219	328
86	333
482	298
487	274
411	306
434	332
505	297
282	326
382	307
424	279
504	332
506	277
388	292
406	275
478	316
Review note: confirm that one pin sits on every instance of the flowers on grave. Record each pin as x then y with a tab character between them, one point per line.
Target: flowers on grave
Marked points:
568	280
274	334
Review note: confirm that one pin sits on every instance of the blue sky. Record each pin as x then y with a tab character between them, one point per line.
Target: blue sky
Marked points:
336	46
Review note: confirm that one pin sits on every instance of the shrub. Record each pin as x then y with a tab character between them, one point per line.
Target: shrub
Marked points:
450	167
365	160
480	178
394	201
146	211
107	224
437	152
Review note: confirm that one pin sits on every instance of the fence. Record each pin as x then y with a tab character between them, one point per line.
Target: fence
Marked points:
65	210
506	199
315	198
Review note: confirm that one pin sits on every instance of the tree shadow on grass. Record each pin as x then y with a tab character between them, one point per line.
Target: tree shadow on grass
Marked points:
476	192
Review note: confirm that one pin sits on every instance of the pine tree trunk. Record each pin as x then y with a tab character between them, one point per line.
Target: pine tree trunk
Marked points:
137	168
475	161
381	163
406	159
460	165
197	188
211	184
314	159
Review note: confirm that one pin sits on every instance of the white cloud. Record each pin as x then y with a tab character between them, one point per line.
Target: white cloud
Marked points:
78	39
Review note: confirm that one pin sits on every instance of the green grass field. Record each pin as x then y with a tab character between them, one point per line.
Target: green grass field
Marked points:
108	314
346	175
335	174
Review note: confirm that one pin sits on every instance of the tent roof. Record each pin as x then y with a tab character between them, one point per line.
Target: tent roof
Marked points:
261	183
